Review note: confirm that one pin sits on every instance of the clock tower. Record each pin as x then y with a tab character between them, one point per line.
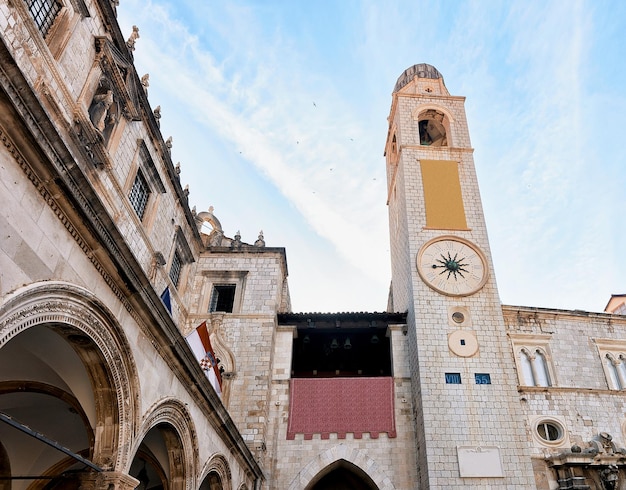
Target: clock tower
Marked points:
470	428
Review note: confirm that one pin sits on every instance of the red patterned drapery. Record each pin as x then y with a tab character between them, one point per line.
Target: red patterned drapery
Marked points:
341	405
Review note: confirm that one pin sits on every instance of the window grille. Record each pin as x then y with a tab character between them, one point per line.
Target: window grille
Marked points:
43	13
175	268
139	194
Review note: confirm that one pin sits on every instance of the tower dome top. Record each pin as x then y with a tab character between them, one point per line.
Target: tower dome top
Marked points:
421	70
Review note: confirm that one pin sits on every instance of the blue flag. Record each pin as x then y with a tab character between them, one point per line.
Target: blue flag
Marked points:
165	297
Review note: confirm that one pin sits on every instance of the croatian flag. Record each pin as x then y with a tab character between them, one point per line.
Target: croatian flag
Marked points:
200	344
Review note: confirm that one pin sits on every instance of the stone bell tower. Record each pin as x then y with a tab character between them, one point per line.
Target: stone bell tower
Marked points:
470	429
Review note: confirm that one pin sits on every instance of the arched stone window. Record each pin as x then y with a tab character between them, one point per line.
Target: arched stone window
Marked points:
534	367
612	370
615	367
432	125
212	482
613	357
541	369
527	370
533	359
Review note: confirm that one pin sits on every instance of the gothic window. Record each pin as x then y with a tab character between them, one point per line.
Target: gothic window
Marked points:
615	367
175	268
533	359
139	194
223	298
534	367
613	357
43	13
527	370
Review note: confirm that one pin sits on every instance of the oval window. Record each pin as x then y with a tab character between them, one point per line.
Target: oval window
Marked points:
549	431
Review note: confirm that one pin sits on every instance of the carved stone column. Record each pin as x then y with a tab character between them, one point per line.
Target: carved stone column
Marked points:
108	480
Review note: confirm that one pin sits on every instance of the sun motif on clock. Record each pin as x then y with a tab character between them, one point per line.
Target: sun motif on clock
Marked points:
452	266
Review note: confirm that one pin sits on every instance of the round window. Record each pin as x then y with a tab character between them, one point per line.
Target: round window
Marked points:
549	431
458	317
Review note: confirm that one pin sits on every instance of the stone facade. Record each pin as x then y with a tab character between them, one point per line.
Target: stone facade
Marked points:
105	271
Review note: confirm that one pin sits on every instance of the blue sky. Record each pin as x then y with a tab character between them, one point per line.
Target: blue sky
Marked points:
277	110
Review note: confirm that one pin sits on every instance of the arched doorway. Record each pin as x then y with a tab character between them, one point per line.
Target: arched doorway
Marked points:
342	475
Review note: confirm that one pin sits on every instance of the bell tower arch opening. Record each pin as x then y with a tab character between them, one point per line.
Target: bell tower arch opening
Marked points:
433	128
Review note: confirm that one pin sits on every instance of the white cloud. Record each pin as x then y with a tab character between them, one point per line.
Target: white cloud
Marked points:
240	77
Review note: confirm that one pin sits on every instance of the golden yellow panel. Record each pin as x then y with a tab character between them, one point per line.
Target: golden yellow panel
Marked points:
442	195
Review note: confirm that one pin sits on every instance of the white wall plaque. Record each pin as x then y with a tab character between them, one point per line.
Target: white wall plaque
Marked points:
479	462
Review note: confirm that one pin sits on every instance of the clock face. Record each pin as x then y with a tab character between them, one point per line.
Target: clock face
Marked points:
452	266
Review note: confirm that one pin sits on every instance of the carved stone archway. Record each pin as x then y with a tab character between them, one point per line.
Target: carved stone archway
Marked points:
88	326
217	465
172	418
337	454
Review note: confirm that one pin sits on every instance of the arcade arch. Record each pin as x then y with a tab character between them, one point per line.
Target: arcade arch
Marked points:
217	474
166	448
66	371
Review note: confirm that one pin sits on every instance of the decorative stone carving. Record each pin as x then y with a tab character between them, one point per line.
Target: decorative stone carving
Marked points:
603	444
157	262
111	480
215	238
609	477
601	463
133	38
116	69
103	111
236	243
145	83
157	115
260	241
